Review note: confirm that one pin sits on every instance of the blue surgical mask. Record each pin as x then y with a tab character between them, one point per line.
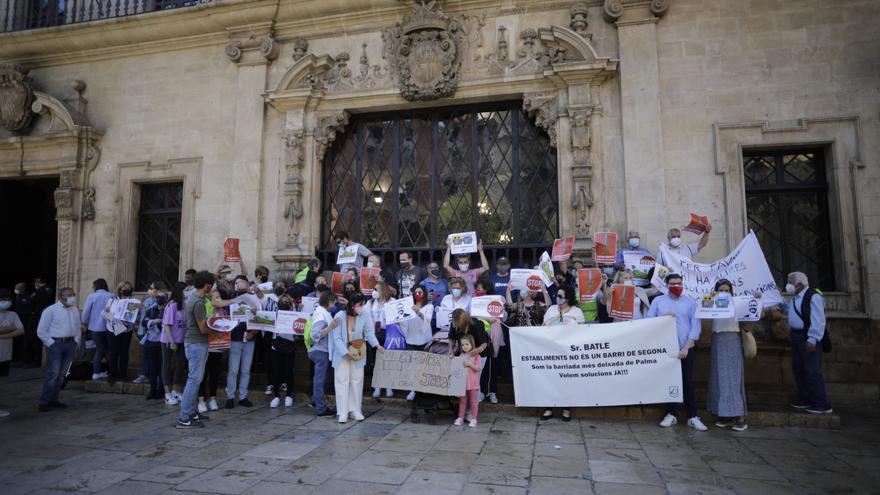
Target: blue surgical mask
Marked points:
4	305
608	270
456	292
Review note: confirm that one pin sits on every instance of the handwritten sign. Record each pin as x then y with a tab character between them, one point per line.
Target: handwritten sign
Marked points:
623	299
562	248
463	243
747	308
711	308
290	322
368	280
524	279
444	317
420	371
487	307
589	282
699	224
397	310
338	280
309	304
231	252
605	247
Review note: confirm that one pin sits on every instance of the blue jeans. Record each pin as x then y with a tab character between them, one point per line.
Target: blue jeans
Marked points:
102	344
322	363
241	355
197	355
807	369
687	383
58	358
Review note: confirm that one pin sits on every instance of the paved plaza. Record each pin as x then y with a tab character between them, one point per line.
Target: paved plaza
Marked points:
122	444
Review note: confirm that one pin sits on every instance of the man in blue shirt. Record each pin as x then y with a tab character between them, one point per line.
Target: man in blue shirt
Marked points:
684	309
93	320
806	318
501	277
634	246
436	286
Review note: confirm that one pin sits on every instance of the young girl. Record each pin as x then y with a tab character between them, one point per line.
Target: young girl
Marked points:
472	363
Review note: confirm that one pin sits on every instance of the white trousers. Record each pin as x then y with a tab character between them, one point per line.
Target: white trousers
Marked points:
349	381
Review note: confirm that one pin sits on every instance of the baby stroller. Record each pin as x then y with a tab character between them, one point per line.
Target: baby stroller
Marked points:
431	403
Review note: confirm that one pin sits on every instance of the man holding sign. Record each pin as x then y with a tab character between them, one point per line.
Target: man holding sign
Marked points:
351	254
688	250
463	268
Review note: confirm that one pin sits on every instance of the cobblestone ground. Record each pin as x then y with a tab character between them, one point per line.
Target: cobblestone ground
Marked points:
107	443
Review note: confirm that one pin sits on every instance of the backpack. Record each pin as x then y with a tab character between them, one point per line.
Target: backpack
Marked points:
804	315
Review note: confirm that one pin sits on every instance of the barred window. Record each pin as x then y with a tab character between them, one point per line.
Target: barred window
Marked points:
158	247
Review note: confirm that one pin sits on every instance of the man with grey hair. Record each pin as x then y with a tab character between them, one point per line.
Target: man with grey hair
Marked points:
806	318
673	237
633	246
59	330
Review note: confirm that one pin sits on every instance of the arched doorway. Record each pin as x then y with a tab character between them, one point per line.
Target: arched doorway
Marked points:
405	180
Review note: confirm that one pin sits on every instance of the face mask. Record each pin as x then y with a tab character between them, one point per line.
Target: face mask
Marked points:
456	292
359	310
435	273
160	300
790	288
503	270
675	241
418	298
608	270
628	282
560	300
722	296
340	245
369	264
278	291
375	294
126	292
284	306
479	292
17	291
676	290
463	267
229	277
4	305
634	242
70	301
405	265
321	288
348	293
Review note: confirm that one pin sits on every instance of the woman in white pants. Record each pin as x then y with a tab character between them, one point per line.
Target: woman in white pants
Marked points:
354	325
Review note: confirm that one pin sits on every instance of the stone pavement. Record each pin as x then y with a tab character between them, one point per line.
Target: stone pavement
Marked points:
122	444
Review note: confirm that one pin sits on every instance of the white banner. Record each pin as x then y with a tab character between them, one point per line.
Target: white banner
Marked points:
487	307
611	364
746	267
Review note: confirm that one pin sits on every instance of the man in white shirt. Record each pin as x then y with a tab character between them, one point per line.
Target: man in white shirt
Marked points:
686	250
343	241
59	330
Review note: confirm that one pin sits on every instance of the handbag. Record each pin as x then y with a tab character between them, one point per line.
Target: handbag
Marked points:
357	350
750	347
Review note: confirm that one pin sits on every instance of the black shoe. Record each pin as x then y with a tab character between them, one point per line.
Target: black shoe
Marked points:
189	424
57	405
44	408
199	417
230	403
245	403
326	413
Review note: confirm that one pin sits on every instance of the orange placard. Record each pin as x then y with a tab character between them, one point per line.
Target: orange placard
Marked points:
698	225
589	283
623	301
338	282
231	253
219	340
368	280
562	249
605	247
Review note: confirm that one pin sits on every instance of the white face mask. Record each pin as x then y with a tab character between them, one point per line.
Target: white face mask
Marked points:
790	288
375	294
628	282
463	267
229	278
675	241
369	264
70	301
634	242
4	305
18	291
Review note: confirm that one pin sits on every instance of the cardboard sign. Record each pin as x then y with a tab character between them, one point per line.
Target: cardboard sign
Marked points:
562	249
714	307
589	282
231	252
397	310
420	371
338	280
263	320
747	308
290	322
219	340
309	304
605	247
547	269
463	243
524	279
487	307
444	318
640	264
623	301
368	280
698	224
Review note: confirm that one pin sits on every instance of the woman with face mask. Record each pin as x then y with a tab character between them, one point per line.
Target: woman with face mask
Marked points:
528	311
564	312
121	330
282	358
355	329
417	331
152	348
727	390
458	297
375	310
149	302
625	277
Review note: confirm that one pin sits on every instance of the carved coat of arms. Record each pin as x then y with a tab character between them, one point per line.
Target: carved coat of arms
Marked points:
425	47
16	98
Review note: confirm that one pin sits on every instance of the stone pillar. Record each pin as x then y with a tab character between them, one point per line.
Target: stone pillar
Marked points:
252	53
640	108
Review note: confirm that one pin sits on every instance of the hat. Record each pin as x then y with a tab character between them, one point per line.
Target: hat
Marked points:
225	269
503	261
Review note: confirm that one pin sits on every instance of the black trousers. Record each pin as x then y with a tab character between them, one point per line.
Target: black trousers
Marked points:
283	362
117	355
213	366
687	383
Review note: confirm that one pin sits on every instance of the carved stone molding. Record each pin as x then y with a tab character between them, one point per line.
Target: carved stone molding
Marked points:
64	196
293	183
16	98
542	108
300	48
581	170
614	9
327	129
578	21
264	45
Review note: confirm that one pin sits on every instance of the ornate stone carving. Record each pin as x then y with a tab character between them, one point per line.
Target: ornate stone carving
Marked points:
16	98
92	155
614	8
581	171
325	133
426	53
369	76
265	45
578	22
88	204
542	108
300	48
293	163
64	196
501	52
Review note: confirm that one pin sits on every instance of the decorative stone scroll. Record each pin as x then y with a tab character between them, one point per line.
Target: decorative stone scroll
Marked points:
265	45
581	171
327	129
16	98
614	8
293	184
542	108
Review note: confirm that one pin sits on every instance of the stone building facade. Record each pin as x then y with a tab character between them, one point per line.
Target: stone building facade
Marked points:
653	109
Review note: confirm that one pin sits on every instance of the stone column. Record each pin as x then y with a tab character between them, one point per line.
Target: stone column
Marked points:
640	108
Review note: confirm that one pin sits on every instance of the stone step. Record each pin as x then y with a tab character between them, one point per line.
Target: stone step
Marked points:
767	416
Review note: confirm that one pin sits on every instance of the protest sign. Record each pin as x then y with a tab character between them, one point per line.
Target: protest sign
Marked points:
368	278
348	254
125	310
699	224
265	287
613	364
745	267
220	322
337	281
444	317
623	301
231	252
397	310
640	265
747	308
524	279
219	340
420	371
658	280
309	304
290	322
487	307
713	308
547	269
240	312
589	282
263	320
562	249
463	243
605	249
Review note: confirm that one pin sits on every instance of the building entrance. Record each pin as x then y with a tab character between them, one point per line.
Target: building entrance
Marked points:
30	231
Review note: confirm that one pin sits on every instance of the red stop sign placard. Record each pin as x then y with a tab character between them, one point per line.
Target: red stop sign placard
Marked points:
299	326
495	309
534	282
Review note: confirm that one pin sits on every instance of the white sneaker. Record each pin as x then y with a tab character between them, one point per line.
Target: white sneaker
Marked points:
696	424
269	390
202	408
288	401
275	402
472	423
171	401
177	396
96	376
458	421
212	405
389	392
668	421
377	392
480	397
104	375
492	398
411	396
342	419
357	416
4	414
